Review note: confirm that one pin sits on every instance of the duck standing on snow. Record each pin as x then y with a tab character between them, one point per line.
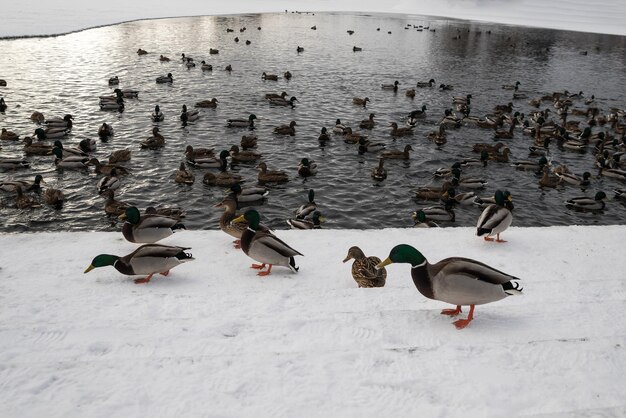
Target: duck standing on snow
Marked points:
364	271
148	228
265	247
148	259
496	218
456	280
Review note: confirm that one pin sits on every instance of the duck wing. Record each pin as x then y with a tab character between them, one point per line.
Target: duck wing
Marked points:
156	221
271	243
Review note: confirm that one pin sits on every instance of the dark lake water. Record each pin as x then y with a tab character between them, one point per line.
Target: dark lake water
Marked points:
66	74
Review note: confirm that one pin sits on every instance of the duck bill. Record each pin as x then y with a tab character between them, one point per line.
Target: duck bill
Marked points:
239	220
383	263
122	216
88	269
347	258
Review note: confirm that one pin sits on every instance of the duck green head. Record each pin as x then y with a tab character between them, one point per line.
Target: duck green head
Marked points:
224	154
252	117
543	161
305	162
58	152
252	217
131	215
419	216
403	253
235	188
600	196
38	179
499	198
324	130
40	133
102	260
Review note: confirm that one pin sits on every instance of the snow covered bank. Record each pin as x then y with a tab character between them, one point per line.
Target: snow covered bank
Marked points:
213	339
33	17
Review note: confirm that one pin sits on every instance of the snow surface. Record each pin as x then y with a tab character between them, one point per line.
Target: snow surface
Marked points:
214	340
36	17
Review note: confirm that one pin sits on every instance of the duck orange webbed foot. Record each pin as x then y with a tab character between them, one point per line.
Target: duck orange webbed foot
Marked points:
258	266
143	280
452	312
237	244
462	323
265	273
488	239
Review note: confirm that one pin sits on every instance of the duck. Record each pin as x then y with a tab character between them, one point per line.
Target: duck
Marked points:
428	83
350	137
368	123
324	137
190	64
184	176
147	228
495	218
9	135
242	123
379	172
148	259
468	183
109	182
587	204
286	129
299	49
314	223
457	280
393	86
192	153
547	180
450	196
223	179
37	117
53	197
87	146
213	51
70	151
58	122
172	212
364	271
243	156
396	132
265	247
25	202
141	51
105	130
439	136
157	115
360	102
339	127
420	220
165	79
163	58
286	74
482	162
466	100
274	176
228	68
108	168
432	193
206	67
120	155
368	146
3	105
271	77
444	87
113	207
13	163
566	177
210	104
282	95
189	115
249	194
72	162
248	141
511	86
113	105
211	162
394	154
415	115
12	185
531	165
36	148
502	134
307	168
280	101
357	49
437	213
307	208
156	141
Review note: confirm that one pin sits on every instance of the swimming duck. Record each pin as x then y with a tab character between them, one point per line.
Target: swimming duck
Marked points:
286	129
274	176
620	194
248	141
192	153
339	127
439	136
360	102
249	194
379	172
163	58
108	168
87	145
368	146
206	67
415	115
405	131
243	156
114	81
282	95
350	137
394	154
117	104
130	94
420	220
72	162
155	141
50	133
368	123
141	51
495	218
265	247
465	182
211	104
307	168
105	130
531	165
444	87
36	148
184	176
190	64
24	202
547	180
13	163
189	115
112	206
37	117
271	77
120	155
211	162
165	79
428	83
587	204
324	137
58	122
157	115
314	223
53	197
393	86
456	280
12	185
438	213
9	135
364	271
306	209
223	179
280	101
3	83
502	134
147	228
70	151
286	74
511	86
242	123
148	259
432	193
571	178
109	182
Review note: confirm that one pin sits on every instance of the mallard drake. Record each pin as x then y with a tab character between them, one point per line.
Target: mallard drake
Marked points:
163	58
271	77
88	145
379	172
105	130
113	105
394	154
490	148
165	79
157	115
210	104
141	51
442	172
437	213
452	196
9	135
242	123
3	83
587	204
613	172
314	223
531	165
428	83
211	162
189	115
147	228
113	207
511	86
350	137
190	64
465	182
364	271
25	202
109	182
249	194
120	155
184	176
360	102
368	123
37	117
439	136
286	74
155	141
282	95
11	185
206	67
306	209
148	259
307	168
502	134
248	141
274	176
192	153
547	180
482	162
415	115
496	218
368	146
108	168
58	122
457	280
286	129
393	86
420	220
324	137
53	197
462	99
70	151
572	178
339	127
72	162
280	101
265	247
243	156
223	179
36	148
405	131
